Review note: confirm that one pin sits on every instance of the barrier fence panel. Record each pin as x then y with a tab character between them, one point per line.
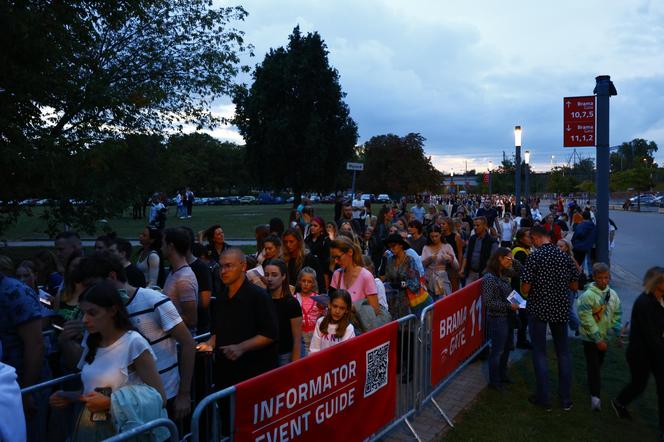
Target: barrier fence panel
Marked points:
333	391
51	383
407	375
208	415
148	426
452	334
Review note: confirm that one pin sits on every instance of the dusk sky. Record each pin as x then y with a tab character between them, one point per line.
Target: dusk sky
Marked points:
463	74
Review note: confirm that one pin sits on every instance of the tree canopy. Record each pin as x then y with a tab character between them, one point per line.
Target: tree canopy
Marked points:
297	128
77	73
397	165
633	154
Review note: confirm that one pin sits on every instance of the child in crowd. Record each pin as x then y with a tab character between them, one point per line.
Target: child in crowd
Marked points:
599	311
335	326
380	291
311	310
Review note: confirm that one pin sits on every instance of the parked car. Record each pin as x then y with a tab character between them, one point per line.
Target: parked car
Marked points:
658	201
268	198
248	199
228	200
383	198
645	198
367	197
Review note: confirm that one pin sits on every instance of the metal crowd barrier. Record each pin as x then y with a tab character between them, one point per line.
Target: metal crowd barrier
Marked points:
51	383
428	392
134	432
414	389
408	369
213	429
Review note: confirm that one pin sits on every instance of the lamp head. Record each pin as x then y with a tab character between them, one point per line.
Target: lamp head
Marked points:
517	136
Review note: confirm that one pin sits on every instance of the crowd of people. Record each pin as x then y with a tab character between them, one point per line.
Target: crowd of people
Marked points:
127	319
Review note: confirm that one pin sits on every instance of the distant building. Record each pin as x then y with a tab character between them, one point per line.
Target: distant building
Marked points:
453	184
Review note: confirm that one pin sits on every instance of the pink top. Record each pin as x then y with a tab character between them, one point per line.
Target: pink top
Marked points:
363	286
311	311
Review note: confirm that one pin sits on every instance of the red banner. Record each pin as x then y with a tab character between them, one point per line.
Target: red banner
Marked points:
348	390
457	330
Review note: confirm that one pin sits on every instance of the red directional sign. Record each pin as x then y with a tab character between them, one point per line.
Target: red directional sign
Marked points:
579	121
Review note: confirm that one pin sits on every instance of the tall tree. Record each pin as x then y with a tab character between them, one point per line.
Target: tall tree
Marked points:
79	72
297	128
398	165
204	163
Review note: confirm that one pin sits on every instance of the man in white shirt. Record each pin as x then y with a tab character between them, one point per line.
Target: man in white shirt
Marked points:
358	206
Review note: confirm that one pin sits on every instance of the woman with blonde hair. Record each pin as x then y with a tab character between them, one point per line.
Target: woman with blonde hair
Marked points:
351	274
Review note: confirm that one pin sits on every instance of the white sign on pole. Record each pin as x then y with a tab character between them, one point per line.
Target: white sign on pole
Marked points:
354	166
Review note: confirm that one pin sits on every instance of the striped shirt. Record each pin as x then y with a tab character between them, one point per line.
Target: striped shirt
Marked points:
154	315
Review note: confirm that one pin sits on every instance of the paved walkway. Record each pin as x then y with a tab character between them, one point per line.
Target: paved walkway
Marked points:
460	394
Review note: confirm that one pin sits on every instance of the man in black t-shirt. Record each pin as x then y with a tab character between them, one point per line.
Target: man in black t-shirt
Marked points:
245	330
122	249
490	213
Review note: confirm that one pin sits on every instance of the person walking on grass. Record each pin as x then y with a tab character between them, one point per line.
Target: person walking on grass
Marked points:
645	352
599	312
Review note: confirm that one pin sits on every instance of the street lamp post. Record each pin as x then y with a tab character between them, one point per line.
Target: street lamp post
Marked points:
526	160
517	165
490	184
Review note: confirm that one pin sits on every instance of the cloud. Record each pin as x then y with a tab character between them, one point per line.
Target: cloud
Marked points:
463	74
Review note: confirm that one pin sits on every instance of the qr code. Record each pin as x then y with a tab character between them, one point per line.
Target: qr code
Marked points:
378	359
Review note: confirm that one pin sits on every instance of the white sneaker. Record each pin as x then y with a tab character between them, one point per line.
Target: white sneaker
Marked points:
595	403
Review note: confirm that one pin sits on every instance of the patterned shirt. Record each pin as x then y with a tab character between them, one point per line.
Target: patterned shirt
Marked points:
19	304
549	272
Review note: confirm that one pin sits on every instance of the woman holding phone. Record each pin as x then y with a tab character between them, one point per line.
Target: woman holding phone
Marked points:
113	356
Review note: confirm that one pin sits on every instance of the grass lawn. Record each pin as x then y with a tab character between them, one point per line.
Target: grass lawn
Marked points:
237	221
510	417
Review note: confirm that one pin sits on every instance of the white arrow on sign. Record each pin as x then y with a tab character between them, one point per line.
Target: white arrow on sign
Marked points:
568	103
568	128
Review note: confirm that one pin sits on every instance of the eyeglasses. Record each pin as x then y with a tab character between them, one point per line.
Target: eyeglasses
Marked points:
336	257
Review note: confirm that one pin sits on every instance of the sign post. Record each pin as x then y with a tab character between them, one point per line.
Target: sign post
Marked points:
604	89
586	124
354	167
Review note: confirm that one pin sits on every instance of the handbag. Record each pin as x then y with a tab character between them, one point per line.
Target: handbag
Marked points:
415	299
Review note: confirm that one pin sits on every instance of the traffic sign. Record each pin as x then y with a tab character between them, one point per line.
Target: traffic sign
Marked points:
354	166
579	121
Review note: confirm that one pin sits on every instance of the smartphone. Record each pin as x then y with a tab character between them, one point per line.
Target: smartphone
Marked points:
57	327
104	415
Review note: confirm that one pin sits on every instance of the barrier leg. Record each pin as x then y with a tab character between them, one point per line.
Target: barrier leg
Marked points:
442	413
412	430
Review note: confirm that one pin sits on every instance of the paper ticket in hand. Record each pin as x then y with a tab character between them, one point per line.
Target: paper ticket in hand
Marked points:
516	298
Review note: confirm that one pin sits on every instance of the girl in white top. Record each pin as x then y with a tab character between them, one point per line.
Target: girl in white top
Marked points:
335	326
113	356
149	261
